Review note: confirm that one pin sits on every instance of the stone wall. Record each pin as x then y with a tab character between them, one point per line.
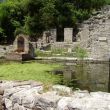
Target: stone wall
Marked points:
29	95
64	45
94	34
5	49
49	36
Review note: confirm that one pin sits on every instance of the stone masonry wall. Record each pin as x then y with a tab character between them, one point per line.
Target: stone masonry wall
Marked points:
5	49
94	34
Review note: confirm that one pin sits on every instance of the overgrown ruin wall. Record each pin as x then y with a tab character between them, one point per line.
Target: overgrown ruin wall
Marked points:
94	34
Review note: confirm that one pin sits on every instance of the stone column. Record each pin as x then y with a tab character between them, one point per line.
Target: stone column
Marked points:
68	35
44	37
15	46
26	45
54	34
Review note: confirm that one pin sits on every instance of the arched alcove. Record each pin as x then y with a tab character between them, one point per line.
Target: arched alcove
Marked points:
20	44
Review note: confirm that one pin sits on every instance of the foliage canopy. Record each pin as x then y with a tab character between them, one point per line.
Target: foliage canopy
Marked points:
34	16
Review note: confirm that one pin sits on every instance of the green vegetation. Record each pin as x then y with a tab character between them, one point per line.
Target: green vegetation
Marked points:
108	2
77	52
80	52
34	16
29	71
54	53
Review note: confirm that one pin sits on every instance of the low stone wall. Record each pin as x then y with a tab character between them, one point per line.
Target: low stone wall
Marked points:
5	49
29	95
64	45
18	56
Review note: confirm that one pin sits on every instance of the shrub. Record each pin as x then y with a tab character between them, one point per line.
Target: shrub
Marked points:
80	52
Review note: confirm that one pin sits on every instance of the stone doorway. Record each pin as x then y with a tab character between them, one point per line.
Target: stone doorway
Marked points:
60	35
48	35
20	44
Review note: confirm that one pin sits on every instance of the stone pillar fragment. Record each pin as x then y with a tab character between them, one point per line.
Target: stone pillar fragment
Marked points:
50	36
44	37
68	35
53	34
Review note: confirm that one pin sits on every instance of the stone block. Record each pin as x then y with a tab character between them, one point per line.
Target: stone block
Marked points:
54	34
48	100
102	39
68	35
8	104
63	103
62	89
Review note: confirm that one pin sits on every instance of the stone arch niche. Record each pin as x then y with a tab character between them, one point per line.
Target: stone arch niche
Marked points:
21	44
22	49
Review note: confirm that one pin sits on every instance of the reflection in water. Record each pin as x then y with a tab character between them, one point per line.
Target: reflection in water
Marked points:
90	76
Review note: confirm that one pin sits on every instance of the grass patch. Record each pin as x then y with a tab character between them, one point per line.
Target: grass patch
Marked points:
54	53
77	52
29	71
80	53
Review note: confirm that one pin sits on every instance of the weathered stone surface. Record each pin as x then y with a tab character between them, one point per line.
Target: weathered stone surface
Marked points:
19	107
102	95
5	49
27	97
89	103
25	94
1	103
19	93
8	104
49	99
94	35
10	92
6	84
62	89
1	91
80	94
63	103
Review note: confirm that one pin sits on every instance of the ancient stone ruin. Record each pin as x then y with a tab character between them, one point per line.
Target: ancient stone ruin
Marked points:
22	49
93	35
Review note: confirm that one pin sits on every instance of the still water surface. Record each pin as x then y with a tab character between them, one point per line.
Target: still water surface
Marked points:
91	76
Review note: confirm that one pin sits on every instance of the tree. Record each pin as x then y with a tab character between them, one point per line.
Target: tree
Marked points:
33	16
11	17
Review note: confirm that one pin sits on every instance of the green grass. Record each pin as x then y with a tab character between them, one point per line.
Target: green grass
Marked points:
54	53
29	71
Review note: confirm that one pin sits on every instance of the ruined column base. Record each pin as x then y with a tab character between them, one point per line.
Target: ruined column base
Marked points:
18	56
